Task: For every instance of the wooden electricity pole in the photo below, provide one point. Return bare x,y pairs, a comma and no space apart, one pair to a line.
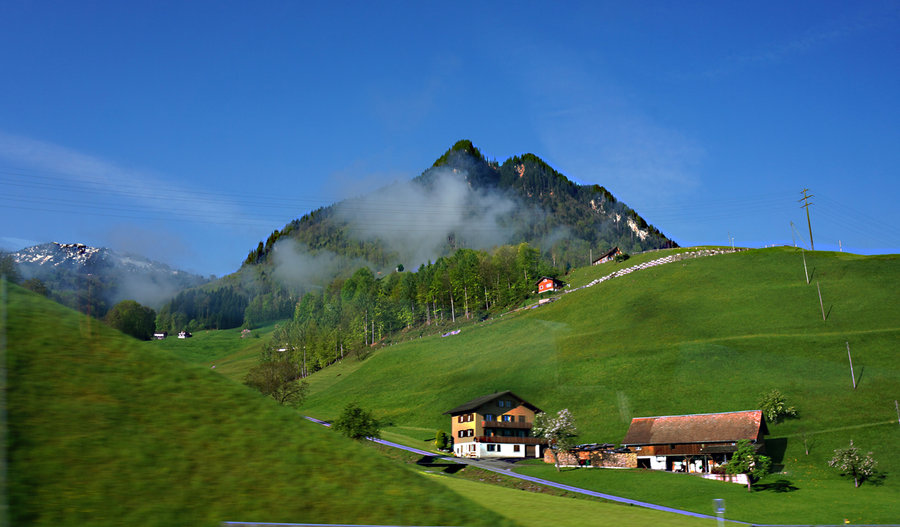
806,204
852,376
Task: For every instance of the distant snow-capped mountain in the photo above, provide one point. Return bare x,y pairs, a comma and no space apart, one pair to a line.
68,268
85,259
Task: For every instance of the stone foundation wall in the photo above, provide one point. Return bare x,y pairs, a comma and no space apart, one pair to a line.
593,459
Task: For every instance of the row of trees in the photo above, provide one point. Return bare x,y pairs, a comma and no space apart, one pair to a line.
350,315
200,308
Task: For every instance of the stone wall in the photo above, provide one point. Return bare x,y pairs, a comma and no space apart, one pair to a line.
593,459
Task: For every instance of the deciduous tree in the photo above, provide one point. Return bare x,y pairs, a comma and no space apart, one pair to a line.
133,319
774,406
280,380
357,423
747,461
852,462
559,430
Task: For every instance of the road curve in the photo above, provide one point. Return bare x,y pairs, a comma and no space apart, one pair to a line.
510,473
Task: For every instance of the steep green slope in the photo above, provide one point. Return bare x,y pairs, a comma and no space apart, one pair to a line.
702,335
105,431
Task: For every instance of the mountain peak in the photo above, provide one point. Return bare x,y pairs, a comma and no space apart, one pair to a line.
463,146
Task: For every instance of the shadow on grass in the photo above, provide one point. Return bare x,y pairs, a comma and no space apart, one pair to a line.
876,479
779,486
446,467
775,449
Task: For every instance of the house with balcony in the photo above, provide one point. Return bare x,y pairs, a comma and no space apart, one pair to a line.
495,426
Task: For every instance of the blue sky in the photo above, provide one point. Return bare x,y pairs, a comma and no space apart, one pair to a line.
188,131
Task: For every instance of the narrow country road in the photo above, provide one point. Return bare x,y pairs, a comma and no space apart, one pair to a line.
497,467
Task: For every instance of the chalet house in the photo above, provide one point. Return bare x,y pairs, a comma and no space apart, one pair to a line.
546,284
608,256
160,335
184,334
692,443
495,425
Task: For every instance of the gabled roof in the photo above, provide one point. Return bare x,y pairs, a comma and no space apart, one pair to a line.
555,280
475,403
607,254
696,428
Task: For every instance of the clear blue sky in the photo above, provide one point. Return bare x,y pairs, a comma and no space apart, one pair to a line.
188,131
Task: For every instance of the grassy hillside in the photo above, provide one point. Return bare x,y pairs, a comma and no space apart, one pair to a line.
103,430
223,350
703,335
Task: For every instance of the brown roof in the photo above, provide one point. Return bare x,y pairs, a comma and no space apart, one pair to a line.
607,254
475,403
696,428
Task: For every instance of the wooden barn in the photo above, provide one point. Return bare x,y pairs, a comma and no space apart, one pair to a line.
692,443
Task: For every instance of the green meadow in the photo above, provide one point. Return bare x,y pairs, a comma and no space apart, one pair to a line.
701,335
105,430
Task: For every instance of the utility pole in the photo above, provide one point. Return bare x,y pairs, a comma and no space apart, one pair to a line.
806,204
805,270
821,305
852,376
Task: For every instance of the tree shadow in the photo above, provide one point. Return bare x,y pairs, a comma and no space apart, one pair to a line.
859,378
877,478
828,313
447,467
779,486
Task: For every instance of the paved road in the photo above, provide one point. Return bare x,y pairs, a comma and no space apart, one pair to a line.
502,467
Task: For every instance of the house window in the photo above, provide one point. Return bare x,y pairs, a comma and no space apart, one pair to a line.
521,418
471,417
490,417
490,448
515,448
509,418
504,404
470,432
461,433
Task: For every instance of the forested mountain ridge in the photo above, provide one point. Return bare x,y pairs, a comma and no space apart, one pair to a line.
543,208
464,200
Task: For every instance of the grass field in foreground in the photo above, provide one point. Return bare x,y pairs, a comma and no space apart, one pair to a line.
539,510
704,335
104,430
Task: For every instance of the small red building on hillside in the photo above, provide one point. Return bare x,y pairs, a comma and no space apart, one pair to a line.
546,284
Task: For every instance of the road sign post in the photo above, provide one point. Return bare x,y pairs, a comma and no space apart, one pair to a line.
719,505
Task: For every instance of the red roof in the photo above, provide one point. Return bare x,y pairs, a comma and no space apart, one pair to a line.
697,428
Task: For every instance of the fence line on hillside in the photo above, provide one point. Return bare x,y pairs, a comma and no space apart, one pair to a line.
653,263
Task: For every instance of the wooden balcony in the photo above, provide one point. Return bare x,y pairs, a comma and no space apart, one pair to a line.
507,424
511,440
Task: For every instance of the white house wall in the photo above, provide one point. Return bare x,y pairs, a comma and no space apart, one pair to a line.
504,450
656,462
